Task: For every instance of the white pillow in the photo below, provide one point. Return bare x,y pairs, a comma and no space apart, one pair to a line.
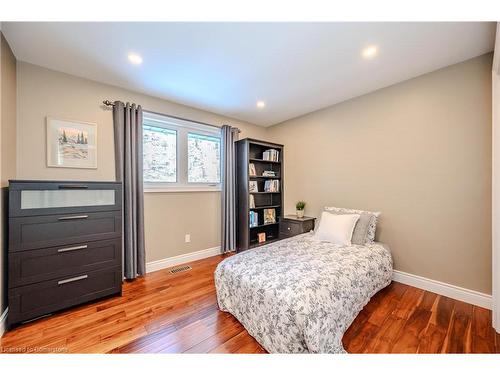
336,229
372,228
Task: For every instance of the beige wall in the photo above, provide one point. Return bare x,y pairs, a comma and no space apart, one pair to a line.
168,216
8,146
419,152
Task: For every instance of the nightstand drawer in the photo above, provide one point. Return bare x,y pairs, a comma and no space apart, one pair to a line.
293,226
289,228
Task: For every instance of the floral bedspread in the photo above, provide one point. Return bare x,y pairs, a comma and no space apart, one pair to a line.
300,295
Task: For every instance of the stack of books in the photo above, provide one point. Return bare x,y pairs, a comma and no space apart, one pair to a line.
254,219
269,174
271,155
272,186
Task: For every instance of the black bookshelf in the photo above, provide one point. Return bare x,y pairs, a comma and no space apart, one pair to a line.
251,151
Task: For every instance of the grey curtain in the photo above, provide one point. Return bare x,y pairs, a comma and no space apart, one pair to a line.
127,120
229,136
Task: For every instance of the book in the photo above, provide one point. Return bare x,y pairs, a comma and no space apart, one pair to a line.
269,216
251,169
251,201
254,219
269,174
272,186
271,155
252,187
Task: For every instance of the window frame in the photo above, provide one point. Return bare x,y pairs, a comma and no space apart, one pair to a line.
187,153
145,182
183,128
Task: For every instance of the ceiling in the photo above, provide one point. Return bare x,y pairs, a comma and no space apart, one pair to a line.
295,68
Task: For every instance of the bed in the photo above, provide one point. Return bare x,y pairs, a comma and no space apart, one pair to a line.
300,295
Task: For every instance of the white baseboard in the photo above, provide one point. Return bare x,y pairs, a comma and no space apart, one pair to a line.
179,259
3,321
439,287
447,290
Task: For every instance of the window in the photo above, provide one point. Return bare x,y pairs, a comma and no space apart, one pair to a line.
160,154
180,155
203,158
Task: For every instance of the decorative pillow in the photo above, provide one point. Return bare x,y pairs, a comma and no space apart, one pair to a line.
336,229
360,234
372,227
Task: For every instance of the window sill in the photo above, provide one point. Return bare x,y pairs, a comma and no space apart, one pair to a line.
181,189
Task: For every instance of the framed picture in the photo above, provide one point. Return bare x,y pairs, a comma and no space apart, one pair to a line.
269,216
251,203
261,237
252,187
251,169
71,144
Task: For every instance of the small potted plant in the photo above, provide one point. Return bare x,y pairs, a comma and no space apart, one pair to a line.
300,205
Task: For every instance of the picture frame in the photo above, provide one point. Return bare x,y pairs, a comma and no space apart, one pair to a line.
269,216
71,144
251,203
251,170
253,187
261,237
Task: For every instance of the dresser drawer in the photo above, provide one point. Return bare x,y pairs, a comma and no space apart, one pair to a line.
35,300
34,232
289,228
32,266
35,198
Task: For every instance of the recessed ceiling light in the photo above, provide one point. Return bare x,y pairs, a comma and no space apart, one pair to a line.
261,104
135,58
370,52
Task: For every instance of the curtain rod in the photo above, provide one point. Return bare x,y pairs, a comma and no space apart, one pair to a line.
111,104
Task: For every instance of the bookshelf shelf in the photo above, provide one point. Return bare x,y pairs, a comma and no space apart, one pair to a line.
264,225
251,151
263,207
265,192
264,161
257,244
265,177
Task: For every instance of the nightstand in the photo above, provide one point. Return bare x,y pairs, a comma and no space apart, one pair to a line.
291,225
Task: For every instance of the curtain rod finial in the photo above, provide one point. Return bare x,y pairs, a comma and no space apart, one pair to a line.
108,103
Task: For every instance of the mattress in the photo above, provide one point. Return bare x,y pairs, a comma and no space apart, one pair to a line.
300,295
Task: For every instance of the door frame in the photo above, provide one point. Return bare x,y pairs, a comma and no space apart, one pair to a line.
495,228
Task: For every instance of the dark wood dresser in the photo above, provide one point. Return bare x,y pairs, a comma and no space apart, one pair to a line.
64,246
292,225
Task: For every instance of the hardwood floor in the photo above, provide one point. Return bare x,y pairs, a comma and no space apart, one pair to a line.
164,313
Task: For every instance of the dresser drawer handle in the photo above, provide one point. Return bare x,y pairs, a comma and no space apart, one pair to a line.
289,228
66,249
73,187
73,217
72,279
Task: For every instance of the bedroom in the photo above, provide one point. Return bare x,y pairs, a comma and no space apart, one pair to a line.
249,187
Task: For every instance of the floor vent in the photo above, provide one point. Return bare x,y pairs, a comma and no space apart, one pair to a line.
180,269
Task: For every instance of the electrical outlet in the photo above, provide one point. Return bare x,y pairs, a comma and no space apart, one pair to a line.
187,238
